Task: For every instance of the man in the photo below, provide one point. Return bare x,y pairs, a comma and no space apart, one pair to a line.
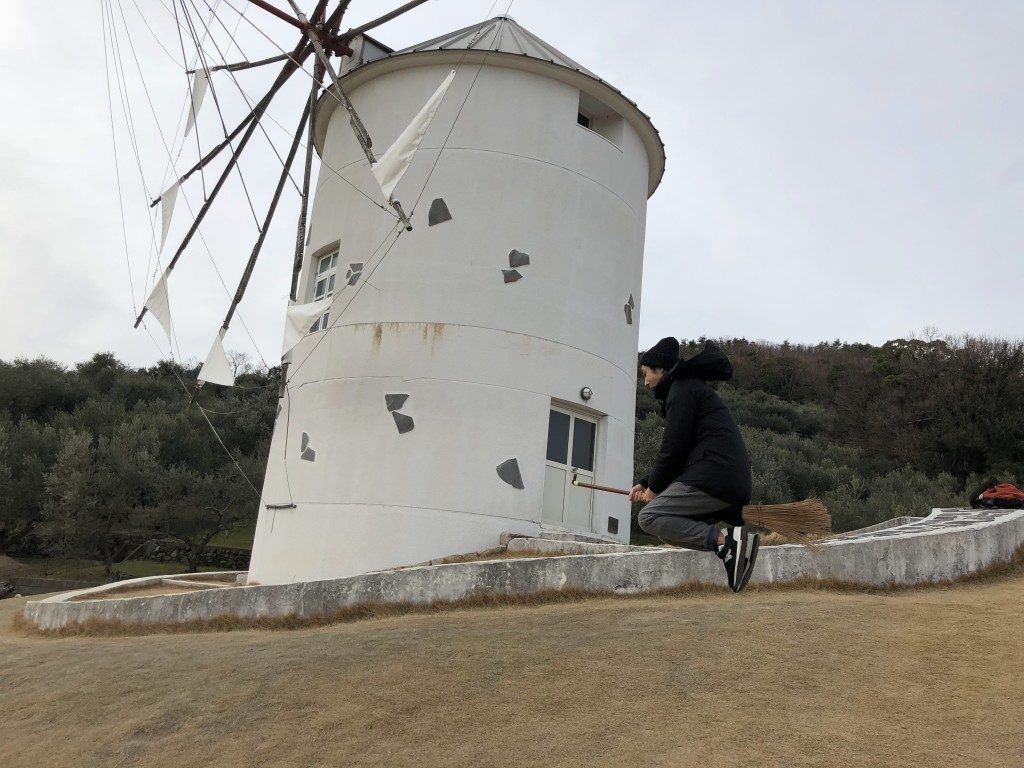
701,475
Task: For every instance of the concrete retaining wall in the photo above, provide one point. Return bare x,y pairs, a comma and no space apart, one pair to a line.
946,545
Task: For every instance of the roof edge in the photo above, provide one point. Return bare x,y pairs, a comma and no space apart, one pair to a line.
594,86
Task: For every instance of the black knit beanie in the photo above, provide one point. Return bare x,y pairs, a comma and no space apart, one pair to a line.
664,354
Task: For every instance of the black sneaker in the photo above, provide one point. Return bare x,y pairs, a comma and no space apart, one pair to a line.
753,544
731,554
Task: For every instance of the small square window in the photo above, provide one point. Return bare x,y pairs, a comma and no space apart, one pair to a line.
583,120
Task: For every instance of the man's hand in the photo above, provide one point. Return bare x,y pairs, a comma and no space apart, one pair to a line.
640,493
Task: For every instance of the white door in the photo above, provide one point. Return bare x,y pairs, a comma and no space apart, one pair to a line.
571,443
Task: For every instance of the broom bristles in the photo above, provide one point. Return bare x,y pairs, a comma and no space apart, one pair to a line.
802,521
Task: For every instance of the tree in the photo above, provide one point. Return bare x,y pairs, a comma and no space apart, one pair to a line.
240,363
27,452
37,389
97,488
193,508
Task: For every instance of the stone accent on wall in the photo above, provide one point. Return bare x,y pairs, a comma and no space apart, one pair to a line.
403,422
439,212
508,471
306,452
395,401
518,259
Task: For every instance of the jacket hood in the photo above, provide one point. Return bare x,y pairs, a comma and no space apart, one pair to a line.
710,364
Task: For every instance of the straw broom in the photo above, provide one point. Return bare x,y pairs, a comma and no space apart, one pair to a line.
801,521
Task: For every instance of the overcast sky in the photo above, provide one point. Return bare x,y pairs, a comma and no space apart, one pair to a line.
849,170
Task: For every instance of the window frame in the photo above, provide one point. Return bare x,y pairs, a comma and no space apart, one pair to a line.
573,416
329,277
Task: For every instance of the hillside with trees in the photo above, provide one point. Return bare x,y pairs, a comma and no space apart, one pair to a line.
96,458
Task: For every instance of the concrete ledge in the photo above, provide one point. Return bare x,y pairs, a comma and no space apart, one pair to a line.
582,537
946,545
194,583
570,546
894,522
201,581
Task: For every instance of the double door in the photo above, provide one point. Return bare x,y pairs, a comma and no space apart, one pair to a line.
572,440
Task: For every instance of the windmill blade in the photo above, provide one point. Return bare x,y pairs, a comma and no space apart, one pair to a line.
382,19
299,318
166,211
251,264
217,368
242,65
303,50
200,80
300,234
396,161
294,60
159,305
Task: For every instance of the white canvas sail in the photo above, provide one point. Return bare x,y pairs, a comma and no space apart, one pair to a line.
217,368
392,165
159,306
199,83
166,211
298,320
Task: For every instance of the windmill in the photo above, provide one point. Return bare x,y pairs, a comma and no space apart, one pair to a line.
496,348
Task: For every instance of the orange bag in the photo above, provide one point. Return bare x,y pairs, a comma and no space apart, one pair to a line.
1001,496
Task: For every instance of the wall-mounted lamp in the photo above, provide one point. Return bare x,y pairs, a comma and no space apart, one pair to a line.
586,393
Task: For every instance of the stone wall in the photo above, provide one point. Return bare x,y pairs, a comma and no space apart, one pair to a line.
227,558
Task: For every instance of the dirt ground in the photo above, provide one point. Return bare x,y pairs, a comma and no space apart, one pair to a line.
766,678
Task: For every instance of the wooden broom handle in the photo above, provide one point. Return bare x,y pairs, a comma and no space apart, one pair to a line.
607,488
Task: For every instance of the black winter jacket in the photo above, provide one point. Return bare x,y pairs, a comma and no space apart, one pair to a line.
702,446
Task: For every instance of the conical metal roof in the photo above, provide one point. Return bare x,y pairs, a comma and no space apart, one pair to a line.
501,34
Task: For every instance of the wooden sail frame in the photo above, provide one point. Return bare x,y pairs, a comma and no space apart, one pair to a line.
320,37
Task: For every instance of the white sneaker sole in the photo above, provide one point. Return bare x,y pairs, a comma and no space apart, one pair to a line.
740,558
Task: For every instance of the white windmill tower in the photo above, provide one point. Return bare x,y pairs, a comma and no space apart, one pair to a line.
464,366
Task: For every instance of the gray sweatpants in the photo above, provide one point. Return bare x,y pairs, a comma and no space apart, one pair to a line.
683,515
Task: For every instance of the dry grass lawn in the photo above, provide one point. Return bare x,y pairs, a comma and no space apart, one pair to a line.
793,677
